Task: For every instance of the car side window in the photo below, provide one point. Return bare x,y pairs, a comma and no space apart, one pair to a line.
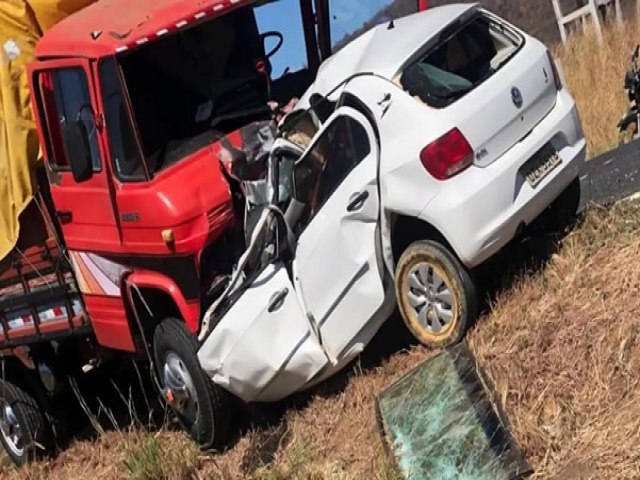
73,104
339,149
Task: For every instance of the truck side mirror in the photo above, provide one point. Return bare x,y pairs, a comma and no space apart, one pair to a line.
78,151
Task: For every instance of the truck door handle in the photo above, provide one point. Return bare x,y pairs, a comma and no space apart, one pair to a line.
277,300
64,216
357,202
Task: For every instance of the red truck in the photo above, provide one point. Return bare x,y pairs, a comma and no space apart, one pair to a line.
136,223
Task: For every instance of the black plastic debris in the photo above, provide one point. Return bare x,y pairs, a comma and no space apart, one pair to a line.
438,422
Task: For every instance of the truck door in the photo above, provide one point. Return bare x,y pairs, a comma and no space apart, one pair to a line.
64,96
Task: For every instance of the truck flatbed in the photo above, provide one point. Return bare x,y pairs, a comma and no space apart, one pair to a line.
39,299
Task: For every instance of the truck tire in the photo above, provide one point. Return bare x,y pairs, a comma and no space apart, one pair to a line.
24,430
436,296
204,409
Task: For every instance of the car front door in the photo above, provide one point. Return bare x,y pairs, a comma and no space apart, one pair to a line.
264,347
337,271
286,326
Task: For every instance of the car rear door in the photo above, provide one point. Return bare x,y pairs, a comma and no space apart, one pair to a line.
511,103
337,269
493,83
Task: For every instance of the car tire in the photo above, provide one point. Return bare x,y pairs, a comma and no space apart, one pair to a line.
25,432
203,408
436,295
567,205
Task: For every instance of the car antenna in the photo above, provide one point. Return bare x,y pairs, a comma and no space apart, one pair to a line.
391,25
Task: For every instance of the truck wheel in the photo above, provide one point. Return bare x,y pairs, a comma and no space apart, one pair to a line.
204,409
436,296
24,431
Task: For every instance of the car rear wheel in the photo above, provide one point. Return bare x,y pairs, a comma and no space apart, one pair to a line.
204,409
24,431
436,296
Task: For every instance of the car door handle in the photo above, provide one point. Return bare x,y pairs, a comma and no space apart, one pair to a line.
357,202
64,216
277,300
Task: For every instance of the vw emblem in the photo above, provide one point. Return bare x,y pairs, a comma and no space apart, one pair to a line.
516,97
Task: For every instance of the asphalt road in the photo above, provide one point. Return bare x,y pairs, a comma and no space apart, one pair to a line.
612,176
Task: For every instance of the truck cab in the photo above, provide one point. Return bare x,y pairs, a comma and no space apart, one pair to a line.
129,110
137,105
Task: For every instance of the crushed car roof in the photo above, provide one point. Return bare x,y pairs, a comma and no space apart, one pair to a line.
385,49
113,26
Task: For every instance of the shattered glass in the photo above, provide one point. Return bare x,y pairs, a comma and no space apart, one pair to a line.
439,422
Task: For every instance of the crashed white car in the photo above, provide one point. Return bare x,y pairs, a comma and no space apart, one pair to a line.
421,150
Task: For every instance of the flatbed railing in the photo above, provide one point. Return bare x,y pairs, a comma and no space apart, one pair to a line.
39,297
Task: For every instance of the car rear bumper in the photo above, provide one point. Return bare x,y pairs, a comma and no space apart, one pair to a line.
483,208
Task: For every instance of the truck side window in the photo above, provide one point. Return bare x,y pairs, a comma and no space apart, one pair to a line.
321,171
53,144
72,104
124,149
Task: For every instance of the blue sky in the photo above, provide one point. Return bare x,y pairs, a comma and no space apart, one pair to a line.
284,16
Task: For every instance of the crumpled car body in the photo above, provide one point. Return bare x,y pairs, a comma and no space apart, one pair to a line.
451,121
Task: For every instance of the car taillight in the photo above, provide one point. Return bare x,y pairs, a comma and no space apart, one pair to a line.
554,69
447,156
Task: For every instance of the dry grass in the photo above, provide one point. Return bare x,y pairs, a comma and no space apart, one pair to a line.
561,347
594,76
134,455
335,436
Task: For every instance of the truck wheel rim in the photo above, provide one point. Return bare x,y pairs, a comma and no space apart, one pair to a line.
11,430
430,298
179,381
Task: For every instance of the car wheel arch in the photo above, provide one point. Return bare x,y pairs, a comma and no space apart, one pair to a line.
405,230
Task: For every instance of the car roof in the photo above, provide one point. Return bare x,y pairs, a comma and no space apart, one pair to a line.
386,48
112,26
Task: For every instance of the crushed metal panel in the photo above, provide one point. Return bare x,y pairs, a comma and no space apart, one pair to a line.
263,349
439,422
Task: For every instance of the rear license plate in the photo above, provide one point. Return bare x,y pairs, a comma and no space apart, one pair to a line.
541,165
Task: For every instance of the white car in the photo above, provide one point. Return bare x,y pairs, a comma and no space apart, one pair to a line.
421,150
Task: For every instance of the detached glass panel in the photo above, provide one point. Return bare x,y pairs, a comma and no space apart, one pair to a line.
439,422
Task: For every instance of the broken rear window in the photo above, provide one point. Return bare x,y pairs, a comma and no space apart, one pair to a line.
464,60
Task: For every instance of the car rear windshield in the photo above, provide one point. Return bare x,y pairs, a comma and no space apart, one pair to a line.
461,61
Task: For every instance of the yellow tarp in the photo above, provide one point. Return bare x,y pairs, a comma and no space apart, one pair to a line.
22,23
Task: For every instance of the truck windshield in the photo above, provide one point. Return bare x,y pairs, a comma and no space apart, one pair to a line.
190,89
290,57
